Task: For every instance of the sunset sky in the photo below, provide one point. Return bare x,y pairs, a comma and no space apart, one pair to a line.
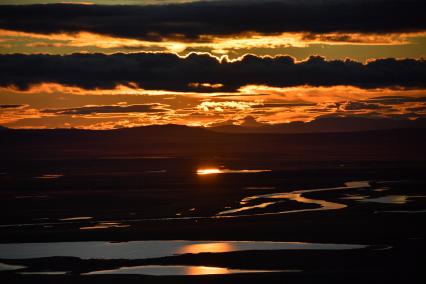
110,64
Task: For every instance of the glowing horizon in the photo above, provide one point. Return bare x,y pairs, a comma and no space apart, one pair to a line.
127,73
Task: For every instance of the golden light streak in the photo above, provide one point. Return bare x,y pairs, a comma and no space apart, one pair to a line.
214,247
52,88
324,94
87,39
219,45
215,171
205,270
202,172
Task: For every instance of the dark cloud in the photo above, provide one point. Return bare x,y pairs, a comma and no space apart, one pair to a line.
351,106
281,105
233,124
141,108
10,106
167,71
393,100
188,21
250,121
417,109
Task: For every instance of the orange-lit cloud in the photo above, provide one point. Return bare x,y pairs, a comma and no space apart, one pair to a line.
214,44
53,105
80,39
54,88
12,114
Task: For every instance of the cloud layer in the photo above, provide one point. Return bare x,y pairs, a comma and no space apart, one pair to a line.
192,21
210,62
140,108
204,73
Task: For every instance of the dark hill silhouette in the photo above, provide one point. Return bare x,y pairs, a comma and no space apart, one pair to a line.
183,141
167,130
328,124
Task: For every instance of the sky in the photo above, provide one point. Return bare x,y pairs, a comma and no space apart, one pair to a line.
112,64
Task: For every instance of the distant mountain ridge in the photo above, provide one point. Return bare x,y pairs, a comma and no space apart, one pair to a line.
321,125
183,141
327,125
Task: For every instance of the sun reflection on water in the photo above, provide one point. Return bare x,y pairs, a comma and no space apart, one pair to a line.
212,171
205,270
208,171
207,247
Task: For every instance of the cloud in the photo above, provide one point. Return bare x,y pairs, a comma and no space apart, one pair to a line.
283,105
11,106
14,112
167,71
192,21
353,106
225,106
250,121
103,109
395,100
420,109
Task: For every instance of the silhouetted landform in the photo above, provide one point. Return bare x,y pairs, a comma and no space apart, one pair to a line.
176,140
65,184
327,124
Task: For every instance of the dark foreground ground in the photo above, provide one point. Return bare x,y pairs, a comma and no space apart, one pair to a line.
139,187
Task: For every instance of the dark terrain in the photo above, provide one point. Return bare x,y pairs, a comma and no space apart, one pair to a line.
141,177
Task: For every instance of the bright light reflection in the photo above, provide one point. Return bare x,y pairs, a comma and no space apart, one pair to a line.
208,171
207,247
205,270
211,171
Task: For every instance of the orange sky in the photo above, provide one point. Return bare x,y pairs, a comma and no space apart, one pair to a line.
50,105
